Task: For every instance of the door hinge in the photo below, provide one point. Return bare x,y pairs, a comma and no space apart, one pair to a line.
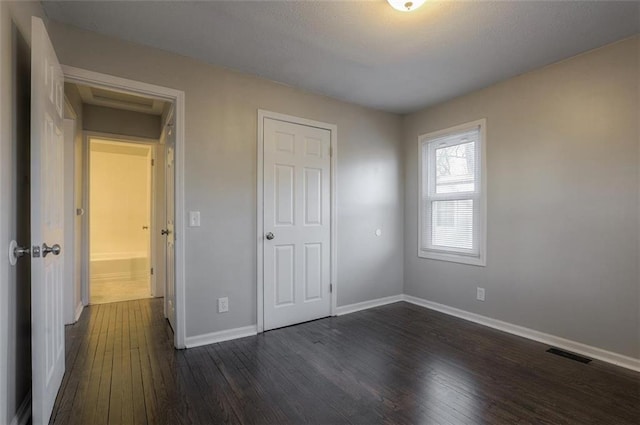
331,288
151,270
153,162
330,151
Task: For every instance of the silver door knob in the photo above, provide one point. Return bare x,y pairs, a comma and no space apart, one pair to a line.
270,236
164,231
55,249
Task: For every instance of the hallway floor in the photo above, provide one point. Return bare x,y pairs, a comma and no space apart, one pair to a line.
396,364
110,291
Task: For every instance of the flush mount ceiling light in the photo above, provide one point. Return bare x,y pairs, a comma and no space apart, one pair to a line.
406,5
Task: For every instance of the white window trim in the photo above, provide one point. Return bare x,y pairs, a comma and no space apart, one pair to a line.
481,258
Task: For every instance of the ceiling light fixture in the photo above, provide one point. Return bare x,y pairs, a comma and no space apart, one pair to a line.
406,5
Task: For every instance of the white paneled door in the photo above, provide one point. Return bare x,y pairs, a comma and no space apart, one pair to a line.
47,218
296,223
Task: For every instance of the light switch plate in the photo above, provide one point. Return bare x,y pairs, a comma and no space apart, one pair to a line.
194,218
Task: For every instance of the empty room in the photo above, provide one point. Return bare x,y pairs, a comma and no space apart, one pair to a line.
322,212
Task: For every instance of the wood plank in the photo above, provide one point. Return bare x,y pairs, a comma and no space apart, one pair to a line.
126,389
116,396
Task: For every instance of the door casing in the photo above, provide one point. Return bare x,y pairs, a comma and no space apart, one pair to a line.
333,129
86,196
177,97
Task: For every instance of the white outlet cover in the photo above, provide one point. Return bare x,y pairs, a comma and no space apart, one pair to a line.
480,294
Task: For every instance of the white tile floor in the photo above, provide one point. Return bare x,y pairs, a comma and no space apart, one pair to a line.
111,291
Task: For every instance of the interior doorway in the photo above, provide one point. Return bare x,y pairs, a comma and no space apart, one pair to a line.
159,120
120,217
122,199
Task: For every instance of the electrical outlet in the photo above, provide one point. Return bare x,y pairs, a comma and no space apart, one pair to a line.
480,294
223,305
194,218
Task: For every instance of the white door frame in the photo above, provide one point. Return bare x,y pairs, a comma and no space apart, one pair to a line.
333,129
86,206
109,82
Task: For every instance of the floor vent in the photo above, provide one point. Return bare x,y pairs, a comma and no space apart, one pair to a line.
568,355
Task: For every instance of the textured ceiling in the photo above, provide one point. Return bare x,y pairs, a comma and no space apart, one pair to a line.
365,52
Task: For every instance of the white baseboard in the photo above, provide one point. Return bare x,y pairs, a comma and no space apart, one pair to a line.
548,339
23,415
79,309
132,275
352,308
229,334
226,335
556,341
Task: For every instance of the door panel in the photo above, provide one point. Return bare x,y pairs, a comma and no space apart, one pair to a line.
285,197
312,271
297,213
284,278
47,226
312,196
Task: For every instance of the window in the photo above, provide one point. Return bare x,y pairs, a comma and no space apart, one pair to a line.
452,195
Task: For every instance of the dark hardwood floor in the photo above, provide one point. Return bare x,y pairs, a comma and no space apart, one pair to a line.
397,364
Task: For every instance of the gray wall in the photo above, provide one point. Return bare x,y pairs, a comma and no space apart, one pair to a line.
15,295
221,111
118,121
563,185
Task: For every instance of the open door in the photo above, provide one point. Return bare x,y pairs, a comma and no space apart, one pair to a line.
47,222
169,230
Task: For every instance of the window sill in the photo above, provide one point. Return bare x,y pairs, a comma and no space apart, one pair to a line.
453,258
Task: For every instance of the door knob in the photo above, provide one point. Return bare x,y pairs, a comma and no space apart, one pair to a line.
145,227
55,249
164,232
270,236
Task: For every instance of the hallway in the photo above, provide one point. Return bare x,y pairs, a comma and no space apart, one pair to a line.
118,290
